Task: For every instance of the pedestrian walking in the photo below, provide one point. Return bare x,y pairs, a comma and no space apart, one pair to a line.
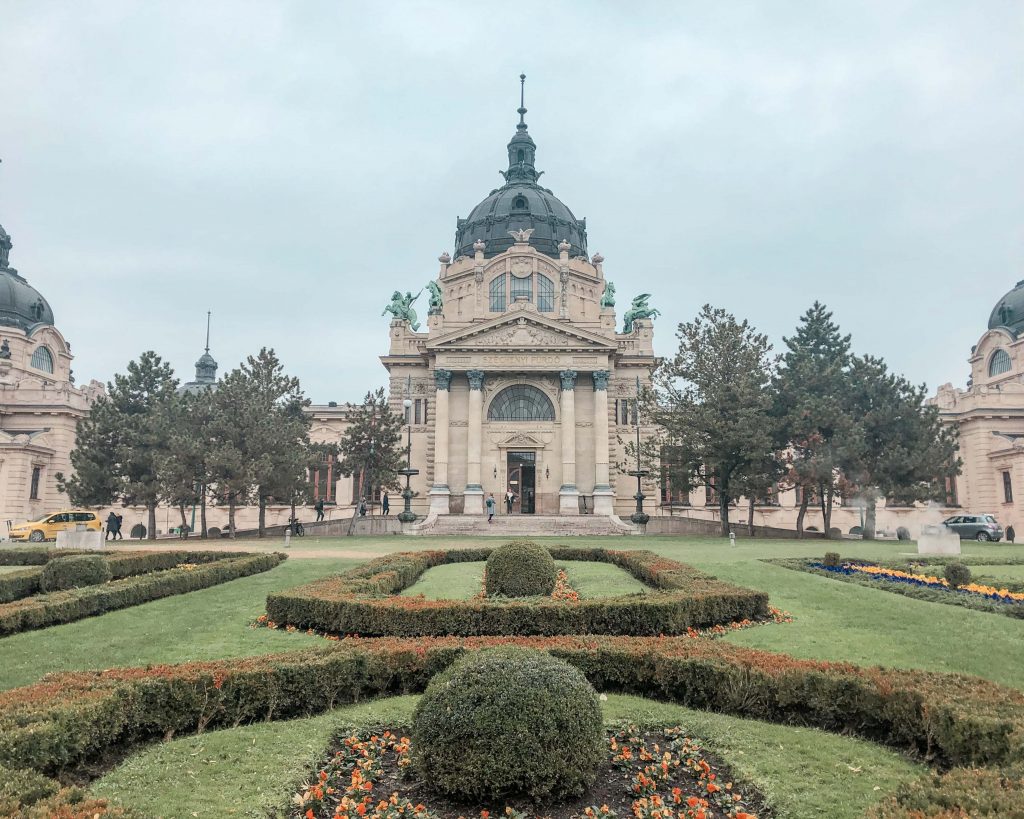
510,498
118,534
490,507
362,507
1010,534
113,525
385,504
319,506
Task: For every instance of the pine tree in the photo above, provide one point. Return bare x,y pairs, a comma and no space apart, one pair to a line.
812,391
903,450
186,464
371,447
123,442
713,402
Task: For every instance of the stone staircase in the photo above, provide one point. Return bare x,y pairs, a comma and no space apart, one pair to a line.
524,525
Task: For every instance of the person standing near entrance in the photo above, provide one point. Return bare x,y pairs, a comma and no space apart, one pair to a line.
510,498
385,504
490,507
319,507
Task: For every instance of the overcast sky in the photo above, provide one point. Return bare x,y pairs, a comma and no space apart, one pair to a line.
288,164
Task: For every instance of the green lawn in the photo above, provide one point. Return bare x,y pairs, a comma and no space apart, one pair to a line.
460,581
201,625
251,770
1015,573
5,569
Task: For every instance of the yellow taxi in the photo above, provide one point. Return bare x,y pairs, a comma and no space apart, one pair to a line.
46,528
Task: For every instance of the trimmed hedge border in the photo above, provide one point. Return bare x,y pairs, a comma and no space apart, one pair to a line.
70,718
44,610
362,601
977,603
17,585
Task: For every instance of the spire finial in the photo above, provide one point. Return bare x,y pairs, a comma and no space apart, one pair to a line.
207,331
522,103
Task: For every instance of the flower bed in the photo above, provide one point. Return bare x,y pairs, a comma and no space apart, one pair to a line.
41,610
909,582
364,601
663,775
69,718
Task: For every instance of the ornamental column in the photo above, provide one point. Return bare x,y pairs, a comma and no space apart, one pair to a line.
568,494
440,493
604,497
474,492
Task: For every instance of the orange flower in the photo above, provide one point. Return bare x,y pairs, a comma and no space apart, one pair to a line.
361,809
309,814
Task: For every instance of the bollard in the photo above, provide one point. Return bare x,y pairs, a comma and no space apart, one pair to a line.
732,538
287,537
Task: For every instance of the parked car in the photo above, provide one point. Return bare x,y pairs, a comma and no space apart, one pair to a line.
46,528
975,527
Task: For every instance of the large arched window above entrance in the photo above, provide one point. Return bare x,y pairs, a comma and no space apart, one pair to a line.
521,402
545,294
999,363
498,294
42,359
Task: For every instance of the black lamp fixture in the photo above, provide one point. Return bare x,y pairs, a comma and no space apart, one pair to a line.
407,515
639,517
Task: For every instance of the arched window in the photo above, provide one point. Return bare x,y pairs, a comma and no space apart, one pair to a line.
545,294
521,156
42,359
521,288
997,365
498,294
521,402
520,203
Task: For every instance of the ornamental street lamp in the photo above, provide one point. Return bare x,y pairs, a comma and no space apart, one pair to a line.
407,515
639,517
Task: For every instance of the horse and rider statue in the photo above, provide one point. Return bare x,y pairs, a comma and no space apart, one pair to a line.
401,308
639,309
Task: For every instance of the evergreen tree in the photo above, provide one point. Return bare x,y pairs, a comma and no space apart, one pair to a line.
713,402
371,448
903,450
124,441
186,465
812,391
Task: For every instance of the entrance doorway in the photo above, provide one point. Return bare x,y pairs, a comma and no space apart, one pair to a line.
522,479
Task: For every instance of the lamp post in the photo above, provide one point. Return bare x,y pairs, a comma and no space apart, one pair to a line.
639,517
407,515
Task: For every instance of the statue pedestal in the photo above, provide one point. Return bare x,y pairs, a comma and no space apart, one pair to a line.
473,503
604,500
568,500
938,540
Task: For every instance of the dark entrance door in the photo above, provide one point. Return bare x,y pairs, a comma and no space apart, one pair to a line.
522,479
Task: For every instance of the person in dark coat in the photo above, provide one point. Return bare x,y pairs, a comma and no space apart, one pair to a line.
1010,534
118,534
113,526
385,504
319,506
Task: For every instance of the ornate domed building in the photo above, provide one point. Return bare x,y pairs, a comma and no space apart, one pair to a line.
521,381
39,403
989,414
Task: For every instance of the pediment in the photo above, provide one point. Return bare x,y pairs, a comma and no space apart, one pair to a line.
521,440
522,331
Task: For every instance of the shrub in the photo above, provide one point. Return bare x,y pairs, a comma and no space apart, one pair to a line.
961,792
902,533
74,572
957,575
505,722
832,559
521,569
74,604
359,601
74,717
18,584
21,788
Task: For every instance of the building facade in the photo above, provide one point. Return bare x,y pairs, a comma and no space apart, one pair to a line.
520,379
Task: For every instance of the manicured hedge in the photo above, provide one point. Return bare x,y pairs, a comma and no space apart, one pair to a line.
36,555
69,718
16,585
44,610
961,792
361,601
74,572
520,569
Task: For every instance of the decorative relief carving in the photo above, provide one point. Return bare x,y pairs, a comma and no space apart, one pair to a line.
600,379
521,267
568,379
442,379
476,379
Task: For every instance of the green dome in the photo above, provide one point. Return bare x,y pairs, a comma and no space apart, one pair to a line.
21,305
1009,311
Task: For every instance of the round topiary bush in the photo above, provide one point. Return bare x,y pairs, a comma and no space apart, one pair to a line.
832,559
957,575
74,572
521,569
902,533
508,721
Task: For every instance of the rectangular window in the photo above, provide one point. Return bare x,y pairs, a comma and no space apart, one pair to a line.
1007,488
675,479
710,495
37,473
522,289
951,496
419,411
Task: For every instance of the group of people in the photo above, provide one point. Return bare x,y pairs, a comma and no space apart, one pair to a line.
114,522
385,505
491,504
